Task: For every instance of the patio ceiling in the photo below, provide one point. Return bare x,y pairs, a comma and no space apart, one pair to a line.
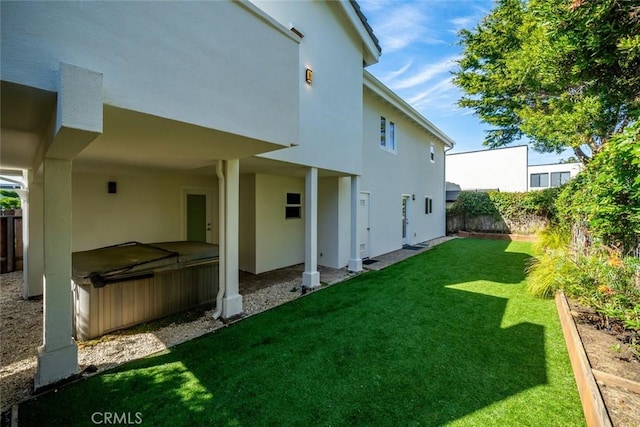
139,143
131,142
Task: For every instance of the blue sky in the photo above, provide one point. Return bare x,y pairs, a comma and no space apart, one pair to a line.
419,50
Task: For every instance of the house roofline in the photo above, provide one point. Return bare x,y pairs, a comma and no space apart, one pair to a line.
489,149
371,46
379,89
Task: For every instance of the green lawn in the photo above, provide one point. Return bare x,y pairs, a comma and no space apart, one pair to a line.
446,337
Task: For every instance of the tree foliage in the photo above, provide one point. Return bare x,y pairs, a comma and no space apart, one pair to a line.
9,200
564,73
605,196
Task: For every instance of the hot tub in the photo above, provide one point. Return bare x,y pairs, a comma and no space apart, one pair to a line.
123,285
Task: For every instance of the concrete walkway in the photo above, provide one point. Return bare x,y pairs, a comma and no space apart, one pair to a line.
250,283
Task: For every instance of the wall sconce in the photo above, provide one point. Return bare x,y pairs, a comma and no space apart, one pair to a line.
308,75
413,197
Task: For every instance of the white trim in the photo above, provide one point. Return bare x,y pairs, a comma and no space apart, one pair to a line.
259,13
371,54
379,89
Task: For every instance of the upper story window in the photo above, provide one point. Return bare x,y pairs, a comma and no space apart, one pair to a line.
559,178
432,153
538,180
387,135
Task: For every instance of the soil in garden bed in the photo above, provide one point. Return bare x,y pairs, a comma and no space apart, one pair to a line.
608,350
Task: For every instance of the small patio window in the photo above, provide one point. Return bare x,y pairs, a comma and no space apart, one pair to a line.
293,208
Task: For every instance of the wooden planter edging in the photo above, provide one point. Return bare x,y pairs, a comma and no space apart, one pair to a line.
595,412
499,236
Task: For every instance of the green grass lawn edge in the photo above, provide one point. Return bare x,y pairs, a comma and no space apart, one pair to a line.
446,337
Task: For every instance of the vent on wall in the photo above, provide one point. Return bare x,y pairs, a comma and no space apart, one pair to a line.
295,30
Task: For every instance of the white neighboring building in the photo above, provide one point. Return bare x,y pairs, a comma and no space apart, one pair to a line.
504,169
274,132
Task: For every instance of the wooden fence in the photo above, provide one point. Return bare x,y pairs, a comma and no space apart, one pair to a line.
11,245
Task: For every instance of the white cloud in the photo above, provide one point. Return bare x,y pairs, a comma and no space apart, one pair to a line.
386,78
463,21
399,26
427,73
437,90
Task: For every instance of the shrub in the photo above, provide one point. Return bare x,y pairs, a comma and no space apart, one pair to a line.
9,200
520,212
605,196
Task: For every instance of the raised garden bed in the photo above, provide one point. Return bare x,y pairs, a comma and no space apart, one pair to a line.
606,371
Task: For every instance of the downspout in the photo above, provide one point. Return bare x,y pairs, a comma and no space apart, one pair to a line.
222,244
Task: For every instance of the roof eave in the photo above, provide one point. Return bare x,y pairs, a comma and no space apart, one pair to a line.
371,48
377,87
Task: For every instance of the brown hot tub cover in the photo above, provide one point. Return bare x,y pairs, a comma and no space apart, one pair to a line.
133,259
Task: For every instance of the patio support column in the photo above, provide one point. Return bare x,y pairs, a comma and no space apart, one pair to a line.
58,356
232,303
311,276
78,121
32,235
355,262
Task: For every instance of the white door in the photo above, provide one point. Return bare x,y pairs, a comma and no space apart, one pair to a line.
363,221
197,215
406,233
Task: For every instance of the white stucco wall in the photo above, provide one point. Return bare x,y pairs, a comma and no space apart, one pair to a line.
220,65
145,208
334,221
387,176
268,240
503,169
247,223
330,107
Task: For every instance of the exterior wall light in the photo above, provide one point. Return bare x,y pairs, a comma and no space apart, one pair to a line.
308,75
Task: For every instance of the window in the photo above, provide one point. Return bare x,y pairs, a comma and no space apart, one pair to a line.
387,135
539,180
428,205
293,208
391,144
559,178
432,153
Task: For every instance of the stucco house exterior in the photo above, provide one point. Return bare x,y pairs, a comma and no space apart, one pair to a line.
128,120
504,169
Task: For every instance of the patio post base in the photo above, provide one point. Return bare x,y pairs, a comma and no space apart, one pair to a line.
355,265
56,365
310,279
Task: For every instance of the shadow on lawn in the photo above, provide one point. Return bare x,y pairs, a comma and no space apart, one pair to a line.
399,346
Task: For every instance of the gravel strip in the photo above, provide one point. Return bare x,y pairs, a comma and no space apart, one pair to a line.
21,334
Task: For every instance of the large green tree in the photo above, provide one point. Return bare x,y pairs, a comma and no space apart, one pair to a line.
564,73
